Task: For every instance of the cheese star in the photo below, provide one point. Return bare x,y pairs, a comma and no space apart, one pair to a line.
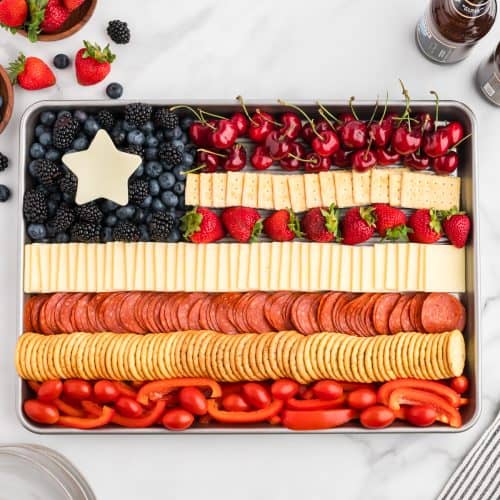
102,171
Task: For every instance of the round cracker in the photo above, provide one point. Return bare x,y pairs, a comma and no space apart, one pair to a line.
284,359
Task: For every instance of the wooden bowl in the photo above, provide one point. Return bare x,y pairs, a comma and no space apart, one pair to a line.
76,21
7,93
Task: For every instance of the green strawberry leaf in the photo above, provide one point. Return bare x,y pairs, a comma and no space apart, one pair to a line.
257,230
190,223
37,14
294,224
397,233
9,28
448,214
95,52
368,215
331,219
435,222
16,67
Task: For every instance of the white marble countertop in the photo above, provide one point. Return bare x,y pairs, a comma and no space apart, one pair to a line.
323,49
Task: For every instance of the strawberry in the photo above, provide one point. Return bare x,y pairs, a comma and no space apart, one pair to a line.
31,73
456,225
13,13
56,14
71,5
358,225
390,222
282,225
321,224
242,223
426,226
93,64
201,225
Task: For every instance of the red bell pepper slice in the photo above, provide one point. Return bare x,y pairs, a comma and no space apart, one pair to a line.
68,409
438,388
314,404
88,423
353,386
316,420
244,417
124,389
91,408
153,391
147,420
446,413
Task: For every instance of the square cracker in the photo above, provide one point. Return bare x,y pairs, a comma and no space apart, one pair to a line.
395,175
361,187
206,190
297,192
265,192
234,189
343,188
219,190
327,188
250,183
379,189
313,191
281,195
193,189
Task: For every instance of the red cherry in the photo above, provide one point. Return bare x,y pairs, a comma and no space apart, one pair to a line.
308,133
260,125
261,159
416,161
445,164
225,134
386,157
317,163
241,123
342,158
327,144
405,141
354,134
199,134
436,143
363,160
277,147
455,132
292,125
380,133
210,161
425,122
290,162
236,158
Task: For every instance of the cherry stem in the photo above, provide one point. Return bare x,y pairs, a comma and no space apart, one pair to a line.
259,112
368,149
436,117
203,150
375,109
213,127
327,120
245,110
303,160
305,115
385,108
199,167
198,116
329,113
353,111
207,113
459,142
406,95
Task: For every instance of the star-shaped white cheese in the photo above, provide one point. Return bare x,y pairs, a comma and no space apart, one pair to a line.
102,170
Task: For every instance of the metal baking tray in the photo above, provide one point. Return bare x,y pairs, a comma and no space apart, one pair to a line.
449,110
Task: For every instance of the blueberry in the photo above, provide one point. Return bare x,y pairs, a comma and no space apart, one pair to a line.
126,212
111,220
136,137
51,230
181,205
174,236
184,138
152,141
177,132
169,199
178,188
32,168
118,136
166,166
37,231
187,160
80,143
151,154
107,234
56,196
108,206
114,90
149,217
147,202
68,198
41,129
70,150
62,238
157,205
169,134
64,112
52,208
159,135
186,122
143,229
139,171
91,126
179,173
37,151
178,144
128,127
80,116
45,139
61,61
154,187
4,193
148,127
166,180
139,216
153,168
48,118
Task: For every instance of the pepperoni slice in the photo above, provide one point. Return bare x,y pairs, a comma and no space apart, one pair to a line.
275,311
65,312
301,313
416,311
80,317
194,313
28,307
395,325
255,313
368,315
382,311
239,316
442,312
151,313
325,309
184,308
406,323
38,302
338,325
204,311
94,311
109,309
313,311
127,312
162,319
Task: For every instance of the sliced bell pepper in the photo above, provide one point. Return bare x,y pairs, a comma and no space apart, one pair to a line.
314,404
88,423
153,391
145,420
244,417
438,388
446,413
91,408
67,409
317,419
124,389
463,402
353,386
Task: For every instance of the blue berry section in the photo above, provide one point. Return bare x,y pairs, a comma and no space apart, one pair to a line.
156,190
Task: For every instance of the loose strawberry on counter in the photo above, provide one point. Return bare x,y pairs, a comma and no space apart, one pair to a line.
242,223
31,73
358,225
93,64
321,224
282,225
425,225
201,225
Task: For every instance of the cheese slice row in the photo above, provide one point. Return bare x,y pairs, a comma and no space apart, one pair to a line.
344,188
223,267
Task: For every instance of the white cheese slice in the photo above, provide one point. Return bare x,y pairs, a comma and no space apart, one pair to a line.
274,273
367,274
285,266
345,268
444,269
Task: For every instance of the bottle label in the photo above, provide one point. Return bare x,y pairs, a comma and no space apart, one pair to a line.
470,9
489,82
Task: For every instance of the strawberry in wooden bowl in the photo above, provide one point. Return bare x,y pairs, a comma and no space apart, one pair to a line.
6,99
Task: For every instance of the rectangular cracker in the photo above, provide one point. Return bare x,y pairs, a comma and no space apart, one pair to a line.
327,188
206,190
219,190
395,175
379,188
343,188
361,187
250,185
234,189
265,192
193,189
313,191
281,194
297,192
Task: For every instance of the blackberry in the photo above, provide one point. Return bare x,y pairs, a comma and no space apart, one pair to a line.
166,119
134,149
138,114
138,191
48,172
4,162
106,120
89,212
68,184
170,154
126,231
84,232
65,130
118,31
35,206
63,219
160,226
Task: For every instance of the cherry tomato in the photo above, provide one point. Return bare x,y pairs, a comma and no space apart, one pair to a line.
77,389
361,398
420,415
327,390
256,395
285,389
106,391
177,419
377,417
235,402
128,407
50,390
193,400
460,384
42,413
